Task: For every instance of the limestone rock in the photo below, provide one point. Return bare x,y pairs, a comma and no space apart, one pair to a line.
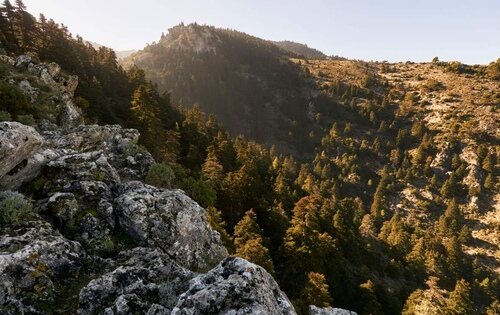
17,143
235,286
171,221
25,172
28,90
314,310
23,61
146,281
70,115
35,262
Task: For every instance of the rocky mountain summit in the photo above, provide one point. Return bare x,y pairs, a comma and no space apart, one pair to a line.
83,234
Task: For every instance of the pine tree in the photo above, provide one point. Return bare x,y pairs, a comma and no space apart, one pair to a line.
316,291
249,243
212,169
459,301
377,207
368,299
452,219
489,182
450,186
215,220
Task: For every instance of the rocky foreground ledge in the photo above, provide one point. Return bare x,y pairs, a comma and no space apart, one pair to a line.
81,233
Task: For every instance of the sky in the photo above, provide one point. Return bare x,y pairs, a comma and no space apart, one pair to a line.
392,30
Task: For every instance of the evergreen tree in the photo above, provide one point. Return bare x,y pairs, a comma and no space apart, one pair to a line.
452,220
368,299
215,219
459,302
316,291
249,243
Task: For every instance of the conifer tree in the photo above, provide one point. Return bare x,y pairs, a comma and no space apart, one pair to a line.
249,243
316,291
459,301
368,299
215,220
452,220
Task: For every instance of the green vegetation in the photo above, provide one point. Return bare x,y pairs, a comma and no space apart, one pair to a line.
364,221
15,208
160,175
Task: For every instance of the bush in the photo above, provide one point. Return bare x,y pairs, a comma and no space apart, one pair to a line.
13,100
15,208
160,175
5,116
432,85
493,70
26,120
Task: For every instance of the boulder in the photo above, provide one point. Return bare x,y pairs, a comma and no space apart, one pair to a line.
171,221
17,144
36,263
146,281
23,61
314,310
26,172
235,286
28,90
70,115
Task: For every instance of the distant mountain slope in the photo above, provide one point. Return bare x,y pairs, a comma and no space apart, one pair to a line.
125,53
248,83
300,49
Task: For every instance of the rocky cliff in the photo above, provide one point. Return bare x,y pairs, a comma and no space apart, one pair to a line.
81,233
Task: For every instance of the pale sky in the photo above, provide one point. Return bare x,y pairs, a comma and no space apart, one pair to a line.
393,30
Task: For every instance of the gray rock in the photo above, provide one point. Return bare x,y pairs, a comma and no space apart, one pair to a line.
70,115
28,171
35,260
28,90
314,310
54,69
9,60
17,144
235,287
145,281
171,221
23,61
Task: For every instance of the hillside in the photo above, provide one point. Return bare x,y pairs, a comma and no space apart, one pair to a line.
248,83
387,204
300,49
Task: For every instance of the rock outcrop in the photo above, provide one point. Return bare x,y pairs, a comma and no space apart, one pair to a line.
314,310
145,281
96,239
169,220
36,263
17,144
235,286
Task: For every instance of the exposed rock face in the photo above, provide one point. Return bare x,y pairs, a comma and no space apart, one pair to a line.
235,286
26,172
35,262
147,281
17,143
314,310
170,220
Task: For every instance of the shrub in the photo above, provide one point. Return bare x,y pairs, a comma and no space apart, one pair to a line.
5,116
26,120
15,208
13,100
160,175
493,70
432,85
